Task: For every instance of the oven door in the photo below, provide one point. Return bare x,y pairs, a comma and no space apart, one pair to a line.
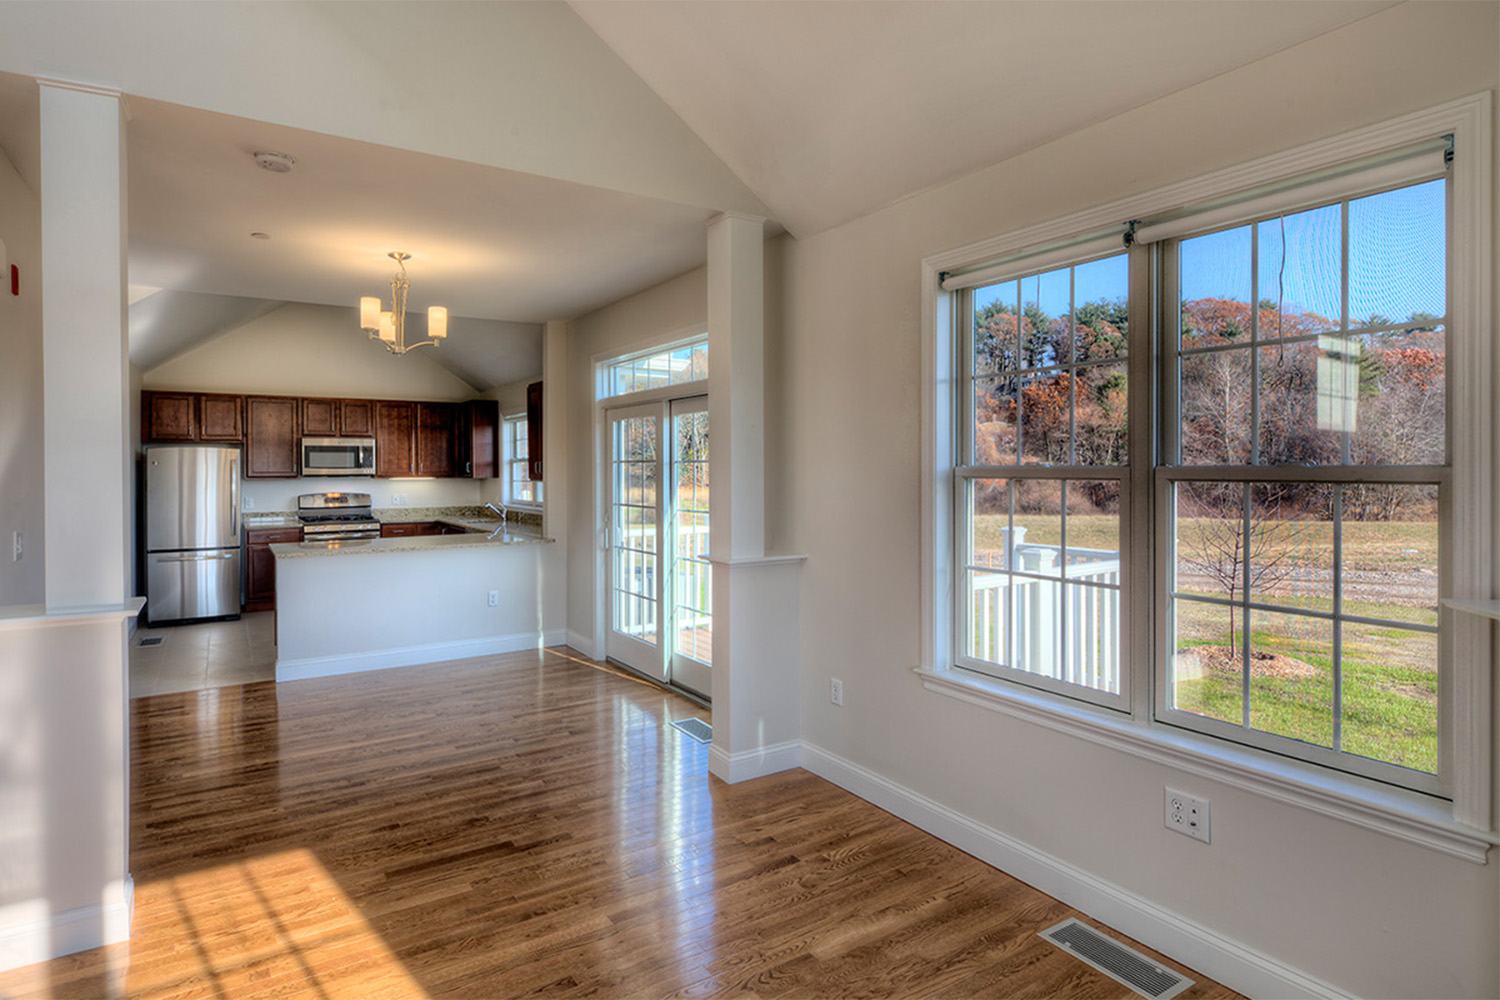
338,456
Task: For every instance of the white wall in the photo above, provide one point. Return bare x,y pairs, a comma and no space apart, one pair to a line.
1365,912
668,311
308,350
21,502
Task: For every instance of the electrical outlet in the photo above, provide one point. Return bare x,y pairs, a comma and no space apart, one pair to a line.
1187,815
249,503
18,547
836,691
494,598
404,502
395,499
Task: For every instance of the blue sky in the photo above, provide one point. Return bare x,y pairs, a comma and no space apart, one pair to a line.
1396,268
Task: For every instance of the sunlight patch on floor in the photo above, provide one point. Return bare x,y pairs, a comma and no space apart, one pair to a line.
278,925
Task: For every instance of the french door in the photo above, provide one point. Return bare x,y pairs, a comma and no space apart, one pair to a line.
659,574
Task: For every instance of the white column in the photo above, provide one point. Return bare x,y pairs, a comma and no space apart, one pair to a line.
85,372
555,480
736,385
756,693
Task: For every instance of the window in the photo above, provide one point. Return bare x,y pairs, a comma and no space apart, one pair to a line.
1046,455
1216,481
656,369
520,490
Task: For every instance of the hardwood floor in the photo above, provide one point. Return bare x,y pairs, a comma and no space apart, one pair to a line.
528,825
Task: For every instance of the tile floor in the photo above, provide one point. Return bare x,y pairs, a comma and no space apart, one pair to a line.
213,654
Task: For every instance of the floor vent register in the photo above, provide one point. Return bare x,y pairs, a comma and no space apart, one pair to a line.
1122,964
696,728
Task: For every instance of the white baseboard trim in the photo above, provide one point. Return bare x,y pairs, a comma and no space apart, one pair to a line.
756,763
407,656
583,643
30,934
1236,965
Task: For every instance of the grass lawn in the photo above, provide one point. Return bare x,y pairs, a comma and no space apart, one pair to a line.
1389,710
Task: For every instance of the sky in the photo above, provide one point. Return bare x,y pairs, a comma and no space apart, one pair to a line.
1396,262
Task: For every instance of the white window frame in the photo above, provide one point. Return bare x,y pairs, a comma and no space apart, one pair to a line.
508,460
1462,827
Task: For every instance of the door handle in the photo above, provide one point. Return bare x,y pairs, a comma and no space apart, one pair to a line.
196,558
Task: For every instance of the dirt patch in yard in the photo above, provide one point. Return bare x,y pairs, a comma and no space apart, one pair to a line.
1221,660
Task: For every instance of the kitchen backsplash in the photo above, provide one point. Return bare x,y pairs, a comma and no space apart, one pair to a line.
281,494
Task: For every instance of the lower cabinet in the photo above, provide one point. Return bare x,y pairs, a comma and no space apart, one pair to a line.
260,565
404,529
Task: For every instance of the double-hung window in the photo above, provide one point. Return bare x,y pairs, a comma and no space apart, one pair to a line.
1215,468
520,489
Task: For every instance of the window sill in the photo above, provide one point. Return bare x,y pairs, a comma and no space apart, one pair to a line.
1409,816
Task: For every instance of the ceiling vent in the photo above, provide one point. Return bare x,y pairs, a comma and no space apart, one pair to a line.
277,163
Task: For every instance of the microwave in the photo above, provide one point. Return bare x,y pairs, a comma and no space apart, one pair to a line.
338,456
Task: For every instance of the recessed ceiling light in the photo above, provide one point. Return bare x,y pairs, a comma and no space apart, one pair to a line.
277,163
260,236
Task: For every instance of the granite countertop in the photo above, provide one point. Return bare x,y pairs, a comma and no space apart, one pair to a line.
518,535
474,518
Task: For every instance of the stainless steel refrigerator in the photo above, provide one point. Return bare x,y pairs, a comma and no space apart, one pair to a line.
192,532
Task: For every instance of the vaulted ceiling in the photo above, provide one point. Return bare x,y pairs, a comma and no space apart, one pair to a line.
542,160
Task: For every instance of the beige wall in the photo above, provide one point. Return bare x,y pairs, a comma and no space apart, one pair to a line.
307,350
21,501
671,310
1368,913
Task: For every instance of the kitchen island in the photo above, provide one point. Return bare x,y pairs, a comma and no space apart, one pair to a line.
370,604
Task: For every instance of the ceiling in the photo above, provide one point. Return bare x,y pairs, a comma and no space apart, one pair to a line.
830,111
822,111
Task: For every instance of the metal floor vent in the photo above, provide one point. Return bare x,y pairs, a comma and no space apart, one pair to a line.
1115,960
150,640
696,728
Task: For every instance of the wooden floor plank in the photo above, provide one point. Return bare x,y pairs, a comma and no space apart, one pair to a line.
528,825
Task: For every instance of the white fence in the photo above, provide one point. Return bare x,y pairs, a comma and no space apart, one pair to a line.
1069,633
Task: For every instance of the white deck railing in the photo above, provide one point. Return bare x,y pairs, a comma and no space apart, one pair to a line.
1068,633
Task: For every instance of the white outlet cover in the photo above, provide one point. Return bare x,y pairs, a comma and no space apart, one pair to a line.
1187,814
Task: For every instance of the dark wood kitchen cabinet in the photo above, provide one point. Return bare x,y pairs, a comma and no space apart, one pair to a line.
221,418
191,416
395,439
534,431
357,418
477,453
260,565
271,437
400,529
320,418
435,426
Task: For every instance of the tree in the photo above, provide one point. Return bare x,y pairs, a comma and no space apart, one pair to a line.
1216,524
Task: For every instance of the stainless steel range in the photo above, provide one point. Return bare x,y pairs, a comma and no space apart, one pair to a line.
336,517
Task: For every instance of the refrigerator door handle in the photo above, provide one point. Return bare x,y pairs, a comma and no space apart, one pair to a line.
234,497
193,556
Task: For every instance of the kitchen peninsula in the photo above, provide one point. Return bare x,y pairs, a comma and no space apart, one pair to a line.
374,603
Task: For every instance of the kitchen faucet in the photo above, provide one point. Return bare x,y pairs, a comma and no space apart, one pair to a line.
504,530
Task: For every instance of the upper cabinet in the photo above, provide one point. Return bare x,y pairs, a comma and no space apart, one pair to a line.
169,416
478,455
338,418
395,439
357,418
534,430
435,439
411,439
271,437
191,416
320,418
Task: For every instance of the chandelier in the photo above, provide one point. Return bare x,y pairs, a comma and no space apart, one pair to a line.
389,326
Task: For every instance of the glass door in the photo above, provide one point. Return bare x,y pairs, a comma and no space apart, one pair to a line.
692,575
660,578
635,527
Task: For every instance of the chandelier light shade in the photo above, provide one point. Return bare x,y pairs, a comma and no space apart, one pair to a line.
389,325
